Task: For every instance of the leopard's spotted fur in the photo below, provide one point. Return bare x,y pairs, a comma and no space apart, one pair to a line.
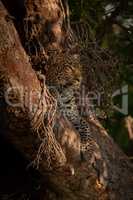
64,74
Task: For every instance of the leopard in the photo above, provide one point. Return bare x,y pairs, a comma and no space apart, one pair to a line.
64,74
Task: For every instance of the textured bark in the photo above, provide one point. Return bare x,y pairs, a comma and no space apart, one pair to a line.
20,80
109,177
43,30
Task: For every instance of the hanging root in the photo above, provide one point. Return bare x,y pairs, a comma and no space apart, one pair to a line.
42,124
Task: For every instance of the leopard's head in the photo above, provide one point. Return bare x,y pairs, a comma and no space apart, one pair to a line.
64,71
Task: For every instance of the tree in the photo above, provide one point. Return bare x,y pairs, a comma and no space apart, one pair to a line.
30,127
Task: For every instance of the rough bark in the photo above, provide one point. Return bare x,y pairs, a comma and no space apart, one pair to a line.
25,101
111,167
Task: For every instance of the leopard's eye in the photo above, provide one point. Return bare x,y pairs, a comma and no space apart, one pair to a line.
77,79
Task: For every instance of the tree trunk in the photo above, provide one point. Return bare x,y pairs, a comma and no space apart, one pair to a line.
29,126
26,102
